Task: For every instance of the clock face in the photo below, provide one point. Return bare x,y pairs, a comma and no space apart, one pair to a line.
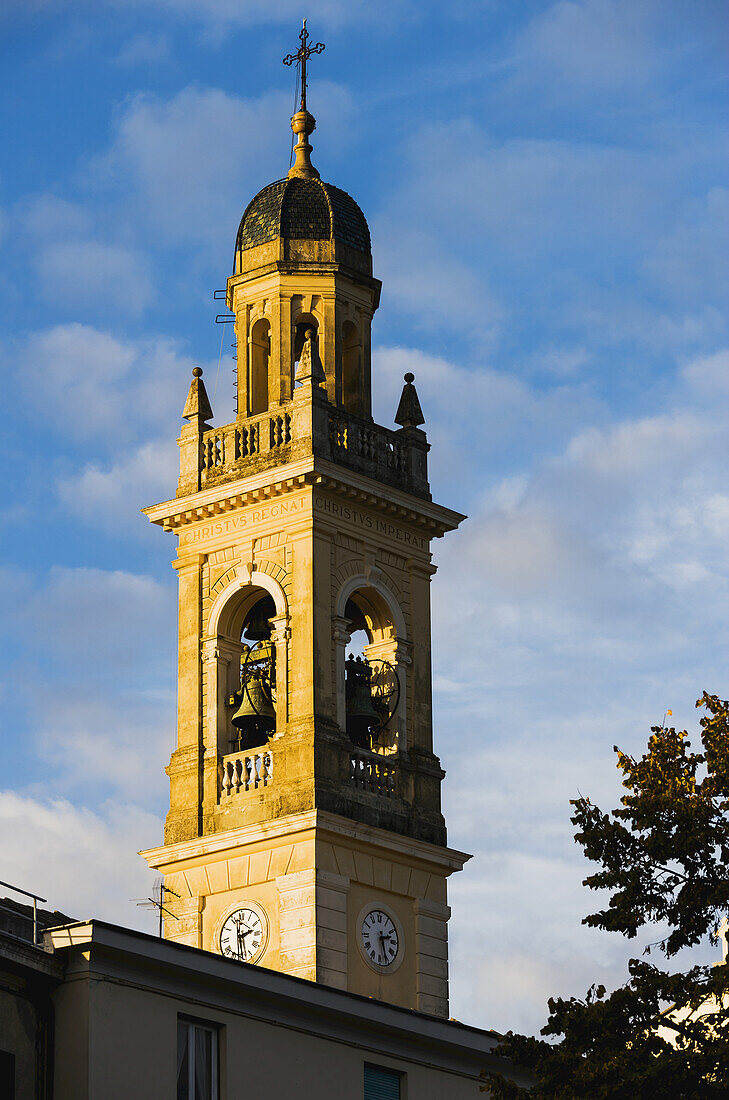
242,935
379,938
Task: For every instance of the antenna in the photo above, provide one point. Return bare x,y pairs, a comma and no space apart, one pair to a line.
157,901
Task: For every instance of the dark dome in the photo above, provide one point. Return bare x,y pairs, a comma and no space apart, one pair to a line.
303,209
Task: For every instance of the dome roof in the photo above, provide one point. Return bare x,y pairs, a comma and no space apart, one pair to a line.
303,209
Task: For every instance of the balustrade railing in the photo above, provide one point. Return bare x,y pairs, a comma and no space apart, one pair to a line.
375,773
246,771
375,449
221,447
273,437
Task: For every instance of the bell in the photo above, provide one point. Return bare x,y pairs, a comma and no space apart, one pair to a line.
361,714
258,627
255,718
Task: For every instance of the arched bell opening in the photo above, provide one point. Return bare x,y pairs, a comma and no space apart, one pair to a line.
246,663
259,359
371,666
253,702
352,379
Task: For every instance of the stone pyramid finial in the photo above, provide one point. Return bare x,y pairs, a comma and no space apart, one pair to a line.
197,406
409,414
310,368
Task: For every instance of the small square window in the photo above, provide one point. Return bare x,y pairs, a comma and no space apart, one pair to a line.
382,1084
197,1060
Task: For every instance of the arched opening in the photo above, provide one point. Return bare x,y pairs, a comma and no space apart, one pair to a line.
373,682
253,702
246,672
260,354
352,397
304,322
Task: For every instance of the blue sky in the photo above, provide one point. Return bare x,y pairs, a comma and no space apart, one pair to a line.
546,185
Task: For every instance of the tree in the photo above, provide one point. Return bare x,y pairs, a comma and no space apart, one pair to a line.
664,856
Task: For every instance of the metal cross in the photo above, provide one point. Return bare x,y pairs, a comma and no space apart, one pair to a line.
302,55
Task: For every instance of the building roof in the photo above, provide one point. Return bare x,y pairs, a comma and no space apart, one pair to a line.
289,995
303,209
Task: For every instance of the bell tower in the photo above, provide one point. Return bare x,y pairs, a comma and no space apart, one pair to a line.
305,830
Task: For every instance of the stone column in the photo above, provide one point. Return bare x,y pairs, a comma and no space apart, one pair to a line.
341,638
185,767
280,635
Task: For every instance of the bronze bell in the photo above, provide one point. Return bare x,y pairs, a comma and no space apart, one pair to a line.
258,627
255,718
361,714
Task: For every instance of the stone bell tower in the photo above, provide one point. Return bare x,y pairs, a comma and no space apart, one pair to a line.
305,830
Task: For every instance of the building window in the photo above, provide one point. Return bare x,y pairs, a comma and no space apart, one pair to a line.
7,1074
197,1061
382,1084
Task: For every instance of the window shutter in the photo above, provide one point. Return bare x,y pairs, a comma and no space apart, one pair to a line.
381,1084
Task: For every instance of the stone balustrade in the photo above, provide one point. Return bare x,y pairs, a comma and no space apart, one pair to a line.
367,447
371,772
246,771
222,449
292,432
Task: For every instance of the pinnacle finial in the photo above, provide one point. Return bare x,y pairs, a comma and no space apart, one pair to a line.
409,413
303,123
197,407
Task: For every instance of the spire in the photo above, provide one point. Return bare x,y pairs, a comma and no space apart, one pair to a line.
303,123
197,406
409,414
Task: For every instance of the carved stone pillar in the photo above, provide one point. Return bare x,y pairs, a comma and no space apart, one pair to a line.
280,636
341,638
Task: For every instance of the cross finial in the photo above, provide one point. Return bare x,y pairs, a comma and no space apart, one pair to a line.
302,55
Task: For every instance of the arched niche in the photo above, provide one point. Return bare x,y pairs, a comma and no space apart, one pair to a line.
302,322
365,603
259,360
223,646
352,380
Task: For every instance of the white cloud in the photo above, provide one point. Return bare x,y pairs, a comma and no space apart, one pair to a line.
225,14
97,385
93,682
428,282
603,45
96,623
110,495
192,163
144,49
49,218
475,413
90,274
83,861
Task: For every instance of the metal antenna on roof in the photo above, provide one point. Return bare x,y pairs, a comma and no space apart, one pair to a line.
157,901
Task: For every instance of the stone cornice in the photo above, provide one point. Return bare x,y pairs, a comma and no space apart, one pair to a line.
312,471
319,822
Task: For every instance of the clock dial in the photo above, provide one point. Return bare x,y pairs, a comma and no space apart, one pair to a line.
242,935
379,938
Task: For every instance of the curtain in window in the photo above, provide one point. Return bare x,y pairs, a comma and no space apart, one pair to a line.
203,1064
183,1060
